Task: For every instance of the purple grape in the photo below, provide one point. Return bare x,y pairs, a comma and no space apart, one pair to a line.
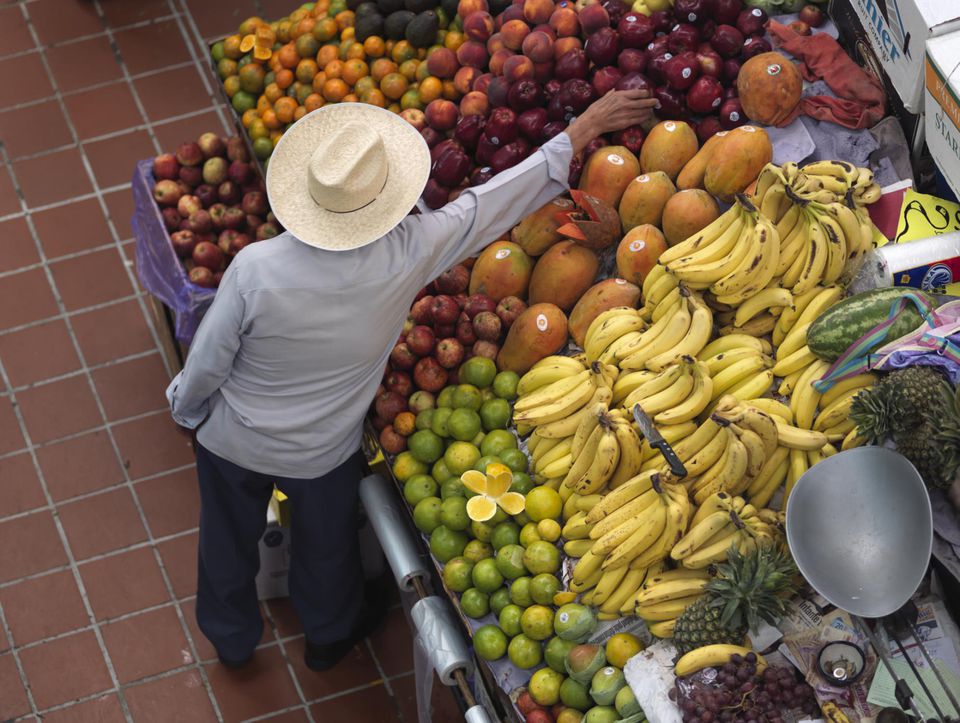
706,717
672,694
688,706
750,657
729,668
746,687
743,674
736,659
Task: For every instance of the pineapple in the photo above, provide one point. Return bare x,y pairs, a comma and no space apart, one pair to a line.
747,589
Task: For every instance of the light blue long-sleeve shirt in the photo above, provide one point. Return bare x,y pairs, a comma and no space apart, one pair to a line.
288,358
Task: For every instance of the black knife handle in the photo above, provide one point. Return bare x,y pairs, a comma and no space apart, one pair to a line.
676,466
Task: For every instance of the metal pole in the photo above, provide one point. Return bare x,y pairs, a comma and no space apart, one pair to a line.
926,654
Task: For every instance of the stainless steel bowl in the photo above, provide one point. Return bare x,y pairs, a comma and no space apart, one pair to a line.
860,528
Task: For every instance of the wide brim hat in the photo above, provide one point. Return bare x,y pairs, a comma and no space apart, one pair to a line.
336,195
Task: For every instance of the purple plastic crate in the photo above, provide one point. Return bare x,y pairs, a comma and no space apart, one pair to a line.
159,269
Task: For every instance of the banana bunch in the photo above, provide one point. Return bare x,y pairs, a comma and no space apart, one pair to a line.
663,597
681,324
605,452
610,331
555,409
738,364
675,395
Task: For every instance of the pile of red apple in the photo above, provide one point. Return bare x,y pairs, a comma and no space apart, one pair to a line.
445,328
213,203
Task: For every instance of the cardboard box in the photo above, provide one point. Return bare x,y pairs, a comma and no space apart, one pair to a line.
274,559
897,31
942,94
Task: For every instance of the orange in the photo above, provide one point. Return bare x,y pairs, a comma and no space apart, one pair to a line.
250,25
297,15
251,78
334,69
320,9
374,47
326,54
394,86
270,120
306,69
354,70
318,80
284,109
430,89
272,92
226,67
411,99
263,104
423,72
381,68
231,47
283,31
284,79
231,85
403,51
325,29
344,19
355,50
374,97
394,108
348,34
288,56
307,46
408,69
248,117
450,91
299,113
363,85
258,129
301,91
313,101
334,90
350,98
389,46
304,27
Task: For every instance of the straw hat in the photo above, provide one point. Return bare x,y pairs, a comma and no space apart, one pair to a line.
344,175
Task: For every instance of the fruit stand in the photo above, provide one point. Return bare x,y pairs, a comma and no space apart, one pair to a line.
699,271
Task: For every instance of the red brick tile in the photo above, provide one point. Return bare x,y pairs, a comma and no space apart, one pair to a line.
73,227
171,502
356,669
16,34
151,47
26,80
123,583
120,210
10,437
132,387
21,488
113,159
33,129
443,705
217,18
284,617
9,195
103,110
57,409
373,703
291,716
205,649
111,332
146,644
393,644
152,444
54,673
102,709
30,545
102,523
184,693
43,607
53,177
80,465
13,698
172,93
38,352
171,134
123,12
262,687
91,279
26,297
179,557
84,63
56,20
17,248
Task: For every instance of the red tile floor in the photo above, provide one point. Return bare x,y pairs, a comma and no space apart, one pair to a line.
98,503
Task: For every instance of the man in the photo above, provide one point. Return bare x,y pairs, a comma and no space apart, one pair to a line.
289,356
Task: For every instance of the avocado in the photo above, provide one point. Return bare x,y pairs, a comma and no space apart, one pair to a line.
389,6
354,4
367,8
367,26
422,30
419,6
450,7
498,6
396,24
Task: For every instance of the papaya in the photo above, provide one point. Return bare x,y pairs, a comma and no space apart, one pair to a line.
769,87
603,295
502,269
668,147
686,213
608,172
691,176
563,274
538,231
537,333
644,199
638,253
738,160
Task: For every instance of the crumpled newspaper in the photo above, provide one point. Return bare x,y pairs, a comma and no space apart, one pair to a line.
649,674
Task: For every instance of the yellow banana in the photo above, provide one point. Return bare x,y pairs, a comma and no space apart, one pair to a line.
805,397
800,439
627,383
730,342
627,588
705,237
547,371
599,338
617,498
696,337
762,301
638,541
551,392
800,359
695,402
604,463
577,528
607,584
568,426
672,590
670,610
631,456
840,389
584,458
577,548
699,534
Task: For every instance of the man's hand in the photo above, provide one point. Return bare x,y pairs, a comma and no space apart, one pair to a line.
615,111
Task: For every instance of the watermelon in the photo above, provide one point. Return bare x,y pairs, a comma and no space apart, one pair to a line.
846,321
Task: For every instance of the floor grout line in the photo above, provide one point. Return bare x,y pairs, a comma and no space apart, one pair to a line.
15,653
78,372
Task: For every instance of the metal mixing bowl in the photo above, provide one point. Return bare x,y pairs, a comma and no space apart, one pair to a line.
860,528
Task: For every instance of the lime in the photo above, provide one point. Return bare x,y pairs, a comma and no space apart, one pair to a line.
555,653
543,503
446,544
460,456
464,424
510,561
467,396
541,556
514,459
262,147
490,642
477,550
485,461
425,418
522,518
475,604
505,533
499,599
544,686
573,694
543,587
440,472
453,513
242,101
509,619
487,394
441,417
505,385
498,440
216,50
549,530
406,466
419,487
529,534
520,592
445,398
537,622
482,531
426,446
426,515
456,574
524,652
486,577
621,647
521,483
478,371
495,414
498,517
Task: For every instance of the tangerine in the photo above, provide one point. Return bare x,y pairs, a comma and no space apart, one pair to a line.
394,108
283,31
408,69
270,120
248,117
430,89
272,92
354,70
306,69
326,54
257,129
288,56
423,72
231,47
334,69
403,51
226,67
335,90
374,47
307,45
381,68
374,96
318,80
345,19
355,50
313,101
242,101
351,98
297,15
411,99
231,85
450,91
325,29
285,108
250,25
275,137
263,104
348,34
284,79
299,113
365,84
301,91
303,29
394,85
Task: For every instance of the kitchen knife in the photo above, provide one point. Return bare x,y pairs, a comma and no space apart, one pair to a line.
657,441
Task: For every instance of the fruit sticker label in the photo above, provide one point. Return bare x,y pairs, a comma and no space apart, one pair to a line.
542,322
734,116
620,281
562,202
637,245
615,159
670,126
774,69
687,72
642,179
502,254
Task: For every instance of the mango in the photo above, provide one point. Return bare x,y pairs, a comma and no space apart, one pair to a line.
638,253
608,172
644,199
584,661
738,160
502,269
603,295
686,213
562,275
538,332
668,148
691,176
538,231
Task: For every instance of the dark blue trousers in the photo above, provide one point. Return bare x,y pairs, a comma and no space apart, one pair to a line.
326,579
